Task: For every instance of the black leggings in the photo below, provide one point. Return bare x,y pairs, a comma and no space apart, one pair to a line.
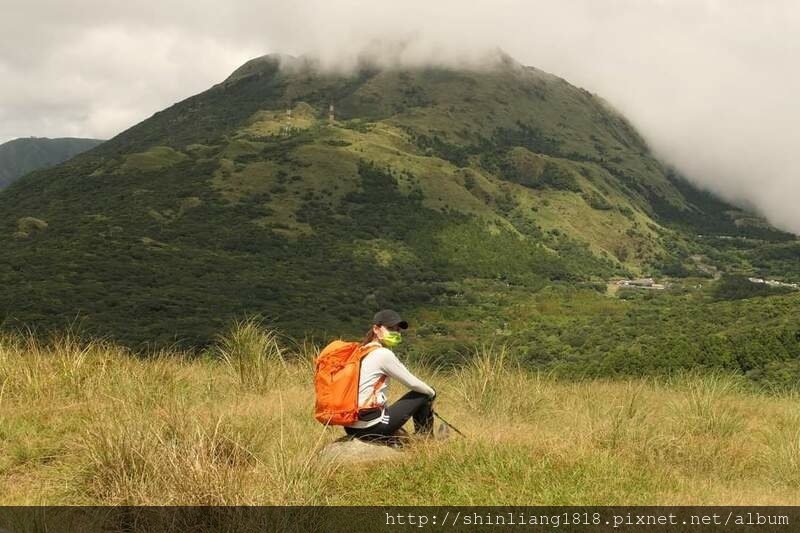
412,404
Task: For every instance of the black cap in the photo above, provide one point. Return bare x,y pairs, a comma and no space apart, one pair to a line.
390,318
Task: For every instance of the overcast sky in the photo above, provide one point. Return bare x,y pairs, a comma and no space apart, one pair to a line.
712,84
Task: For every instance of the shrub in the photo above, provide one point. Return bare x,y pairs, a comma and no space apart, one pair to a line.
250,351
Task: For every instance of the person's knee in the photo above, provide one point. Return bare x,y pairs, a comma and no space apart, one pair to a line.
414,395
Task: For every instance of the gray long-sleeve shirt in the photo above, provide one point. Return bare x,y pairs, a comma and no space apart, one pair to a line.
383,362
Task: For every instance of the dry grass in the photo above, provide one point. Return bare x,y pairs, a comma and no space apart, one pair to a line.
88,423
254,354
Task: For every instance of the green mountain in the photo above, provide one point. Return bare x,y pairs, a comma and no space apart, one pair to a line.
315,198
20,156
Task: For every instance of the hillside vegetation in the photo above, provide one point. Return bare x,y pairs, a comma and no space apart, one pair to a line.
86,423
20,156
496,205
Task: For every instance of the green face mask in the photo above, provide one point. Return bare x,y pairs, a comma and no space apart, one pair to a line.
392,338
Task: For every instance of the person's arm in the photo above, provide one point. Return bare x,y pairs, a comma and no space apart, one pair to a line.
392,367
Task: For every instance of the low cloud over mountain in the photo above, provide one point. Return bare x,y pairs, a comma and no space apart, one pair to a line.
709,83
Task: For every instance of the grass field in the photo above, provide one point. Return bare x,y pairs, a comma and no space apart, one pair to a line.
87,423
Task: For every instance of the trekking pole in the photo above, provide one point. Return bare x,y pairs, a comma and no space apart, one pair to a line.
448,424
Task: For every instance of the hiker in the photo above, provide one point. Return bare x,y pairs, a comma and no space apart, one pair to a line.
382,422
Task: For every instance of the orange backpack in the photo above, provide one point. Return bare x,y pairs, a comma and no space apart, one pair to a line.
337,376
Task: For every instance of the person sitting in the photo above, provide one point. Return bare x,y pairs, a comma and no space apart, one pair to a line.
381,423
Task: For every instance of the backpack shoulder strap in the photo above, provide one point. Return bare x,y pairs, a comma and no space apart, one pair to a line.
365,350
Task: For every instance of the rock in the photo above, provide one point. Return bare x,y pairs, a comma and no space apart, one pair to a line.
357,451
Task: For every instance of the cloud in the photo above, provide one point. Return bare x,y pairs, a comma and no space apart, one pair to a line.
710,83
72,74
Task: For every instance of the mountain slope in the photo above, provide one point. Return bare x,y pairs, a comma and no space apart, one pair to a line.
316,198
20,156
